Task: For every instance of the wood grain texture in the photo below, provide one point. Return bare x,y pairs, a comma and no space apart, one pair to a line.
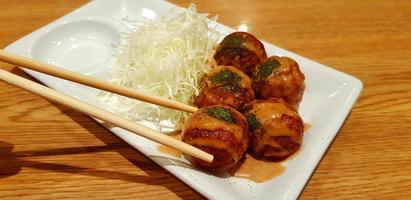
48,151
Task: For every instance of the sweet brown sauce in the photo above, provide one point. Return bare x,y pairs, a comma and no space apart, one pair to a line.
307,127
257,170
175,134
169,151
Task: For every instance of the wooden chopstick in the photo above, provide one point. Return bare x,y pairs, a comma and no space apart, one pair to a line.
90,81
103,115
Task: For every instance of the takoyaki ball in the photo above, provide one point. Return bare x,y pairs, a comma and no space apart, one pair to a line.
219,130
279,77
225,85
241,50
276,129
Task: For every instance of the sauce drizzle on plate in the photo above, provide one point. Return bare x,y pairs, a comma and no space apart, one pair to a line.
306,127
257,170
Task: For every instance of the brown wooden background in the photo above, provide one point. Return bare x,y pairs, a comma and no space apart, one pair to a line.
48,151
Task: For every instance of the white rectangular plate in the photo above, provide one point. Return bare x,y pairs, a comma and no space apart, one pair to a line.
84,41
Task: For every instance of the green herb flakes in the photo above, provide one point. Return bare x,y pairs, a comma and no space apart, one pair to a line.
252,121
221,114
233,42
225,77
266,69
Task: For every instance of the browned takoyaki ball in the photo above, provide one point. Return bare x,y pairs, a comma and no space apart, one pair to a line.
279,77
241,50
219,130
225,85
276,129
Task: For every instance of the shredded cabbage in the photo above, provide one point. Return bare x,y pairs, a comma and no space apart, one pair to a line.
164,57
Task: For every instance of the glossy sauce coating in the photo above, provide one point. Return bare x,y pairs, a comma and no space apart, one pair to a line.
242,50
276,129
225,138
249,168
225,85
279,77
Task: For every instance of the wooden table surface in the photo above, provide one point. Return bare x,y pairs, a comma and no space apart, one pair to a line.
48,151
